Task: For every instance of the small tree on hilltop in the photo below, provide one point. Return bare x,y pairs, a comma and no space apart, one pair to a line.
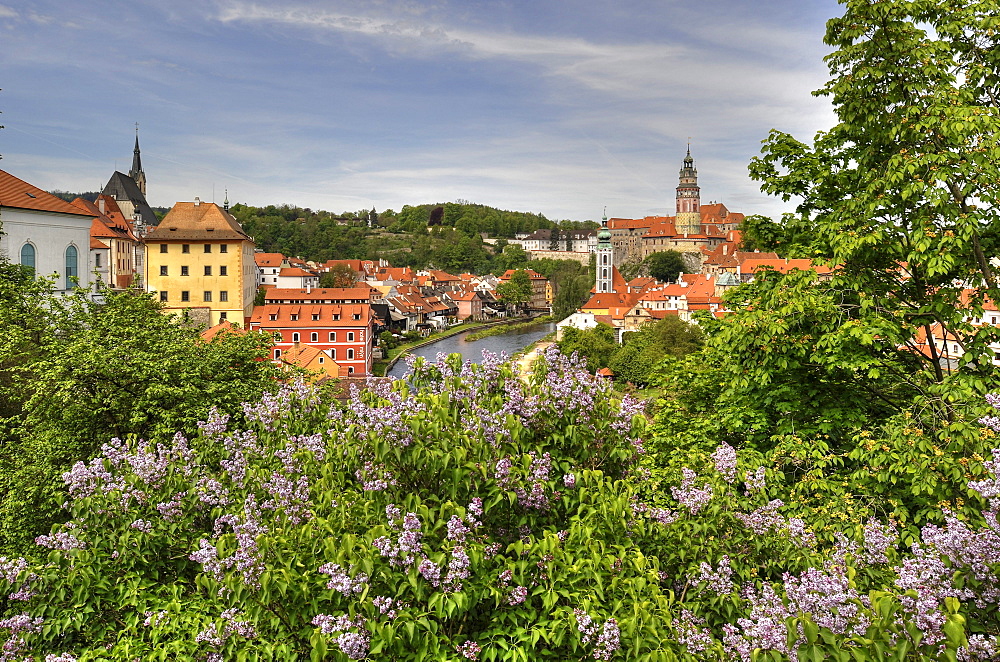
665,266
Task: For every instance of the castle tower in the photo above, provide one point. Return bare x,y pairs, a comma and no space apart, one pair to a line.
136,172
688,220
605,258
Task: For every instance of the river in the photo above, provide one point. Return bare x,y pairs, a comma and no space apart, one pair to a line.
509,343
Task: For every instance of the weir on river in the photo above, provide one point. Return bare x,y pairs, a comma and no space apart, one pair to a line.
509,343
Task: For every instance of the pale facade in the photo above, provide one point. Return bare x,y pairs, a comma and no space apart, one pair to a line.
199,260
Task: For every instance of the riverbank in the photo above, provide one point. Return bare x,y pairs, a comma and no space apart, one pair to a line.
507,328
382,367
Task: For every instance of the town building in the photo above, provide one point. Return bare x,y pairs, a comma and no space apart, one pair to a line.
539,288
200,263
44,233
113,245
344,332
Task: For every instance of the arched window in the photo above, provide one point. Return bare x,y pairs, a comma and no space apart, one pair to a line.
333,353
313,337
350,354
295,337
28,256
72,267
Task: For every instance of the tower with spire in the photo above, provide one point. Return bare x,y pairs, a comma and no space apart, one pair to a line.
688,218
605,258
136,172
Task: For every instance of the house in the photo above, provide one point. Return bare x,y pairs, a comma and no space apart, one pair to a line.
360,294
200,263
113,245
469,304
44,233
345,332
296,277
269,265
539,291
314,361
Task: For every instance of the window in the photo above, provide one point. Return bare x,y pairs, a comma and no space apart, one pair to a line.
223,316
295,337
184,271
357,316
28,256
350,370
207,296
313,337
208,248
185,295
224,248
97,260
163,270
163,248
333,336
993,320
273,317
224,295
350,354
295,317
163,296
333,353
315,317
185,248
72,267
336,317
208,270
321,360
224,271
350,336
277,353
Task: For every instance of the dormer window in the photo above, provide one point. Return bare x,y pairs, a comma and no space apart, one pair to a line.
295,318
357,316
336,317
273,317
315,317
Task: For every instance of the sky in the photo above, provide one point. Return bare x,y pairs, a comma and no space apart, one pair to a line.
560,107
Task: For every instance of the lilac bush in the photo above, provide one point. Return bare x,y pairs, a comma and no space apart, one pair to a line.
476,513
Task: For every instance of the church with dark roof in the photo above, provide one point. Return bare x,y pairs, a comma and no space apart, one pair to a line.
129,192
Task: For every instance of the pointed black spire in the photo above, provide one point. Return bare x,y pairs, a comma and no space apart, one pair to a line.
136,173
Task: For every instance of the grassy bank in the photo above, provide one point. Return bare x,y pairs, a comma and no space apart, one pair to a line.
507,328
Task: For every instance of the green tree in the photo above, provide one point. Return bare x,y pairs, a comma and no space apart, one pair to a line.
80,373
664,266
595,346
340,275
516,293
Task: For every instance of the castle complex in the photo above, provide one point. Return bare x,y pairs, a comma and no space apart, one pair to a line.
695,229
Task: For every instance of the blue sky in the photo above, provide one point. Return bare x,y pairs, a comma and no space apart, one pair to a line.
560,107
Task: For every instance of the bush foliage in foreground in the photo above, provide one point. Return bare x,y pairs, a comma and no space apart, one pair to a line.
471,514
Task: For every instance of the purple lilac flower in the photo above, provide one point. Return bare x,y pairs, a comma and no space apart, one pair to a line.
469,650
718,580
61,540
215,425
430,571
569,480
341,581
981,647
386,606
172,510
458,569
725,462
691,497
756,481
691,634
517,595
142,525
605,638
62,657
289,496
11,570
374,477
879,539
153,618
763,519
457,530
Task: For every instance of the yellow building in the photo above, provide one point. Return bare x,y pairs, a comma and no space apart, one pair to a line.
201,263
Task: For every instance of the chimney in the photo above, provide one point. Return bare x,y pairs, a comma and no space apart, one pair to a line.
100,204
197,201
309,287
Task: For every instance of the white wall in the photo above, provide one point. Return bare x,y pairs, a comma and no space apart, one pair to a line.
50,233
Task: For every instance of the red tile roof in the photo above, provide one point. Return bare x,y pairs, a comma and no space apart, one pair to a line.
19,194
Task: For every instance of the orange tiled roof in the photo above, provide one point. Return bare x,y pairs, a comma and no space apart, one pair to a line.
203,221
268,259
325,312
19,194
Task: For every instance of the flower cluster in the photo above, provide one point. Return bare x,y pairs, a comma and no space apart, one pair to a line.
725,462
604,638
374,477
407,546
718,580
341,581
469,650
354,645
691,497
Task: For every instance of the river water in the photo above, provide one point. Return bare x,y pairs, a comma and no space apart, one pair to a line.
509,343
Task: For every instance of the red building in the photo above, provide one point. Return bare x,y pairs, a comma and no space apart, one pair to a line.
343,331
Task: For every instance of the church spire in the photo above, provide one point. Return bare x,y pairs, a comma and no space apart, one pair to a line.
136,172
